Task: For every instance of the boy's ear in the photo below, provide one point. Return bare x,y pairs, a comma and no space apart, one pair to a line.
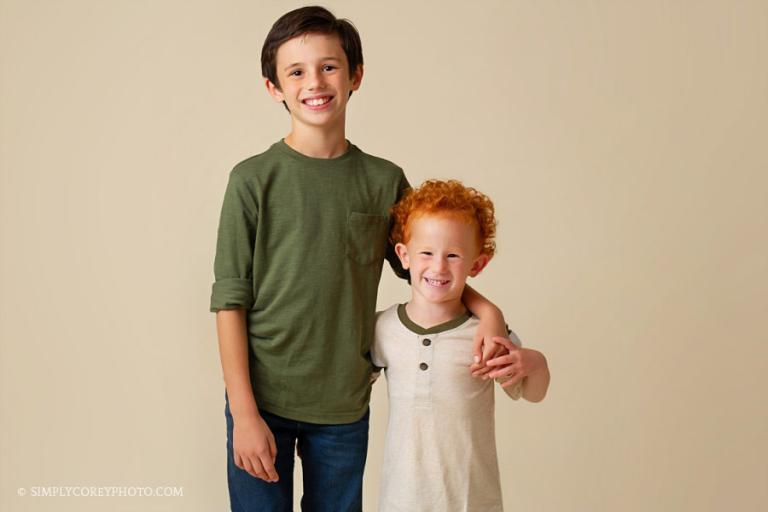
357,77
402,252
274,90
479,264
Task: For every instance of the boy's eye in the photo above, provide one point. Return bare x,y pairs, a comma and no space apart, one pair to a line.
328,67
454,256
426,253
295,72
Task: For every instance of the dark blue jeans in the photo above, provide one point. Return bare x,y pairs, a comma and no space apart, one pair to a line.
333,459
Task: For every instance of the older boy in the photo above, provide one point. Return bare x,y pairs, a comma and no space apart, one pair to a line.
301,242
440,452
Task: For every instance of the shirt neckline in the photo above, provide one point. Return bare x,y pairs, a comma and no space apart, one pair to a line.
332,162
402,314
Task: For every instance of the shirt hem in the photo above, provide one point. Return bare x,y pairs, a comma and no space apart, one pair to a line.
322,419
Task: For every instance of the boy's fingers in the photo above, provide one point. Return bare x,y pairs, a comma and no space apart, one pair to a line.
488,349
272,447
501,360
259,470
252,466
481,371
248,467
269,467
505,342
505,371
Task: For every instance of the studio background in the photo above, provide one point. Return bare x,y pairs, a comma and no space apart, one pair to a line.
624,144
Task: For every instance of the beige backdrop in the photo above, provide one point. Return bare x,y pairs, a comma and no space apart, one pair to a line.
623,142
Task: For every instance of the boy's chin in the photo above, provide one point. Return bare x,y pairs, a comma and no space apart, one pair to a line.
440,297
312,119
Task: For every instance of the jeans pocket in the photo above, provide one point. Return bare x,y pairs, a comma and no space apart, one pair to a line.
366,237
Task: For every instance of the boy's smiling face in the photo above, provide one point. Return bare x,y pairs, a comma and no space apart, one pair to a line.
443,250
314,80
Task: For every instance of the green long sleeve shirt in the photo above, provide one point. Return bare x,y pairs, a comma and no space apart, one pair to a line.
301,243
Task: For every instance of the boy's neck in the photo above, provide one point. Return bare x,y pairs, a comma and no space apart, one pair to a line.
429,314
316,142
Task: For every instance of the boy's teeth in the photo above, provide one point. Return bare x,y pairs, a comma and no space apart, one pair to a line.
317,101
435,282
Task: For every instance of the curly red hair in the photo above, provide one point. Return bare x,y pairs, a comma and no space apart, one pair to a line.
450,197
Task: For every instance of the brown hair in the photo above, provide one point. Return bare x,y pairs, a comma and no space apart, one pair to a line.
449,197
305,20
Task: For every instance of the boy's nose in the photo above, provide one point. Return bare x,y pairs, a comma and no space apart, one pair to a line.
440,264
316,81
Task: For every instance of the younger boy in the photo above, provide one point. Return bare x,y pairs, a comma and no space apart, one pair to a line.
440,453
301,242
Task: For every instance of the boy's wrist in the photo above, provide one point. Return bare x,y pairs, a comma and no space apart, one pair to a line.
244,409
245,416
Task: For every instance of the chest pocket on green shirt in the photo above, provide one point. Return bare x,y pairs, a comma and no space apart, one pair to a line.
366,237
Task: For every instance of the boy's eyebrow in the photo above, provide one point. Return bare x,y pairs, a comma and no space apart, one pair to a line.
289,66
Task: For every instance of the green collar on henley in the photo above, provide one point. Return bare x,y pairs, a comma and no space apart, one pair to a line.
445,326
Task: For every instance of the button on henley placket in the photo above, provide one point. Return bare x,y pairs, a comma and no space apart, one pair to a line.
423,388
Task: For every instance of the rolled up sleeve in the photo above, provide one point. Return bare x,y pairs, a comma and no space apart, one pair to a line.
233,286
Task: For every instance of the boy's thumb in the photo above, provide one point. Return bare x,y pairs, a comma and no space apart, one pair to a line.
477,349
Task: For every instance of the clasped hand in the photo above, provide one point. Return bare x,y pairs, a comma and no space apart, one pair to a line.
502,359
